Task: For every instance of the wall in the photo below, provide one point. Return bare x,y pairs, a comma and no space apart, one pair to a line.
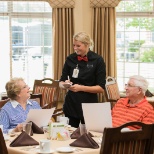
83,16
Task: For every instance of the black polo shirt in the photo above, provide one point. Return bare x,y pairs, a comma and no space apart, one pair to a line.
91,73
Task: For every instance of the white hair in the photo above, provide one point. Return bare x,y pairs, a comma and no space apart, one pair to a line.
140,81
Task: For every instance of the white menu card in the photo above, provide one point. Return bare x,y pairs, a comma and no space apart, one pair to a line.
97,116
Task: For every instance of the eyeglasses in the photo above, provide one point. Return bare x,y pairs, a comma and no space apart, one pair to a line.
129,85
26,86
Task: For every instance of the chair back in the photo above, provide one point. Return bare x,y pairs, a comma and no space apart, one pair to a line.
49,89
112,90
139,141
36,97
3,148
57,113
3,102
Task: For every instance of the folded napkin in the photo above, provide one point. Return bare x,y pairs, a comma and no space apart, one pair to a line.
36,129
76,134
23,140
91,135
148,93
85,141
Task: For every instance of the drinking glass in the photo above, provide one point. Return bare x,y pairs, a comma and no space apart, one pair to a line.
83,129
27,127
46,130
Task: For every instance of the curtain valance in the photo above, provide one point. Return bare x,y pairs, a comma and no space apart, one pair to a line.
104,3
61,3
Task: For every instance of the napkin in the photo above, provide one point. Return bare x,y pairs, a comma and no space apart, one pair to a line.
36,129
85,141
23,140
148,93
76,134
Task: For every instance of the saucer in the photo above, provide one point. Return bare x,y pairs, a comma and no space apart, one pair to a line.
51,151
65,149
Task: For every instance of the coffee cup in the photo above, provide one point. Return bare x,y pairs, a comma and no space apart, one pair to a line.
64,120
45,146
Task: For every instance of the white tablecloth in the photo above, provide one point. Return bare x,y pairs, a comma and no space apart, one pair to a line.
54,145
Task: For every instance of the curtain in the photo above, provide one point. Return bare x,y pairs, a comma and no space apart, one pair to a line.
63,31
104,34
104,37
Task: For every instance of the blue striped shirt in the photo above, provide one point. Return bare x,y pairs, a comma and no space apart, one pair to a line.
12,113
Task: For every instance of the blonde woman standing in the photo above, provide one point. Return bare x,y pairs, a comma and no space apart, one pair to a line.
86,72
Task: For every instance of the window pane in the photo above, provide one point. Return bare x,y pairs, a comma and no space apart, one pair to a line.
27,42
135,43
135,6
3,6
4,52
31,7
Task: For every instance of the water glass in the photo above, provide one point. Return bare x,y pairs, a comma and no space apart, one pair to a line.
46,130
27,127
83,129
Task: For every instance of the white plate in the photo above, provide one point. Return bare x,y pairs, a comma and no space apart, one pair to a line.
51,151
65,149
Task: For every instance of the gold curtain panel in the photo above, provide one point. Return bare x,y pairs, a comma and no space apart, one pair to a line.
104,3
62,3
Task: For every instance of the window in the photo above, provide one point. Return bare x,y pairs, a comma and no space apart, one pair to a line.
25,40
135,41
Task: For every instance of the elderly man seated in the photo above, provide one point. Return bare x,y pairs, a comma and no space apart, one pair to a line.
134,107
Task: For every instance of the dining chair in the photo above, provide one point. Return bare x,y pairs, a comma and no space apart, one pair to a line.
57,113
112,90
140,141
36,97
3,148
3,102
49,91
152,103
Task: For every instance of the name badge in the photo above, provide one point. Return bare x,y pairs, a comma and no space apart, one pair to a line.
75,72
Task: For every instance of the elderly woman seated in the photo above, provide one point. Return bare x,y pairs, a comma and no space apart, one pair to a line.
134,107
15,111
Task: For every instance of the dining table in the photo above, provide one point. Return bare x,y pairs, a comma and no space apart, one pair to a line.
55,145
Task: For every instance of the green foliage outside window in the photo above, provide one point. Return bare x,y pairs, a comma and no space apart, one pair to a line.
134,46
148,56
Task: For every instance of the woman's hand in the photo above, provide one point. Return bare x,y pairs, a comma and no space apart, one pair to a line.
68,81
76,88
66,84
18,128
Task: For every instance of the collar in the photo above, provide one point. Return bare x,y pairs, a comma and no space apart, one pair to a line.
126,102
15,103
